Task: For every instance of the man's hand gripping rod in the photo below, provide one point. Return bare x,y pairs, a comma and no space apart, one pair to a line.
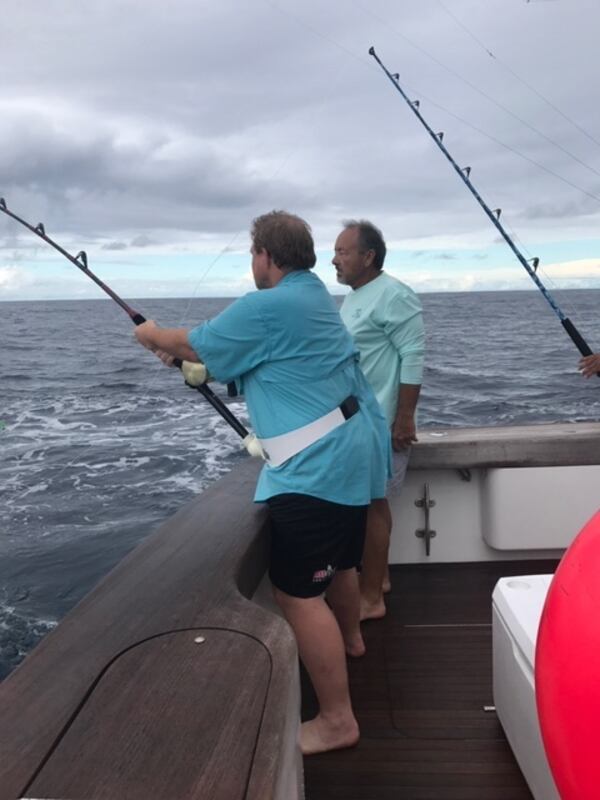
194,374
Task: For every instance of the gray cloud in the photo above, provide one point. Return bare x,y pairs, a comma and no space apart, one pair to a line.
130,123
571,210
142,241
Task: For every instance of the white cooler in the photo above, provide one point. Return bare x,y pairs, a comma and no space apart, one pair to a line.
516,609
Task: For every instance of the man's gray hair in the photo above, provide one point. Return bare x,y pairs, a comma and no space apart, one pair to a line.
369,238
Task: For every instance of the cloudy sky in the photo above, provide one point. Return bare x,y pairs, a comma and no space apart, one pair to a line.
151,133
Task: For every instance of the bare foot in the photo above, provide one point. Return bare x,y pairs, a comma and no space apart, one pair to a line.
321,734
355,647
370,610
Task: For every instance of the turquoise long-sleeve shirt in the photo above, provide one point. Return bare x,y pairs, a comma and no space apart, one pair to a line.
291,355
386,322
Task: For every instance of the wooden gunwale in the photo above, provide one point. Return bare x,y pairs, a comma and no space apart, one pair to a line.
195,573
548,445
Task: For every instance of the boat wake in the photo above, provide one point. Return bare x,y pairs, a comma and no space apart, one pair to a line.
18,635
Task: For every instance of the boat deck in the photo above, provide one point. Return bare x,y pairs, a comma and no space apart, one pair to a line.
419,695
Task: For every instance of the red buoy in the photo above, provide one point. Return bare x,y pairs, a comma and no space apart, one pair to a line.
567,668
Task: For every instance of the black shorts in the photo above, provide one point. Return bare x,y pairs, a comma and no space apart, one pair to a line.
311,539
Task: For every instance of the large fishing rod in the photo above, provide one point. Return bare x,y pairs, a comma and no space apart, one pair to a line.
494,216
188,369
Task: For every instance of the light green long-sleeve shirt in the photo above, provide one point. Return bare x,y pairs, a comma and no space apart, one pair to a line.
385,318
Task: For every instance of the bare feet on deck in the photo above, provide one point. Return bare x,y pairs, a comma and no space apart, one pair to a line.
321,734
355,647
386,587
370,610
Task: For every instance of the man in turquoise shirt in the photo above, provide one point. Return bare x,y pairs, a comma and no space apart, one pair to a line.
327,443
385,319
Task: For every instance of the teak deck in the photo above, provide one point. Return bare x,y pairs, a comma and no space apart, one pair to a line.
419,695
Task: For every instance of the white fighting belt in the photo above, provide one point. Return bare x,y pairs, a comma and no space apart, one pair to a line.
278,449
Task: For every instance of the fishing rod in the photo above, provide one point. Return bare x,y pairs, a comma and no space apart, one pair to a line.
192,373
494,216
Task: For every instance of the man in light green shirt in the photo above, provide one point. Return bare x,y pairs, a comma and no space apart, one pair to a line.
385,318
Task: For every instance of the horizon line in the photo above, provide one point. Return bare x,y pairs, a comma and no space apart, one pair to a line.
237,296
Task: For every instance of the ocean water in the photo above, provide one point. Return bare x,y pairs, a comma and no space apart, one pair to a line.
99,443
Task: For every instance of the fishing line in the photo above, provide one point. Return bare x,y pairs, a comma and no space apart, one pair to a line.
463,121
231,388
494,139
447,111
80,261
565,304
478,130
324,101
120,423
516,75
479,91
334,86
437,105
547,278
270,179
494,216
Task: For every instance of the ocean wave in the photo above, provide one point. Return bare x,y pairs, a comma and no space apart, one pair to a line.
19,633
105,444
